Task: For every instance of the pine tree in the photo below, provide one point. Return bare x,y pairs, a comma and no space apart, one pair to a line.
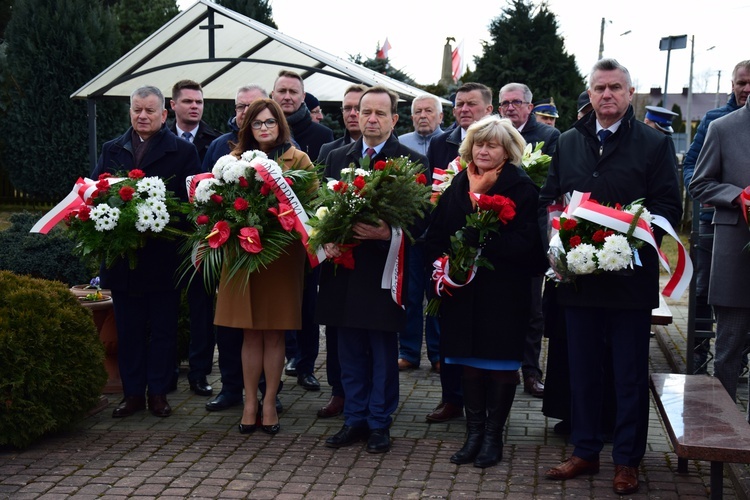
526,48
53,48
137,20
260,10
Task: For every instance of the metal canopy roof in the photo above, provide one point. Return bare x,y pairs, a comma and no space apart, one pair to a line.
224,50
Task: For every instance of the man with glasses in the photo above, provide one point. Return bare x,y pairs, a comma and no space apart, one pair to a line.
350,115
515,105
473,102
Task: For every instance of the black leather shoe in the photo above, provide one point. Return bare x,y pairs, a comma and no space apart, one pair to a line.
291,368
379,441
308,382
271,429
129,406
347,436
247,428
159,405
201,387
224,401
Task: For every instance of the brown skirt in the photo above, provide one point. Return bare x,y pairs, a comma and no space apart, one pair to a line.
272,298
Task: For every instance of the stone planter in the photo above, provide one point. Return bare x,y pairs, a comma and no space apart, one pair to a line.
104,319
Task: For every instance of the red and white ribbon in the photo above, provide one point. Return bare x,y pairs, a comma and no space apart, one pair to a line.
79,195
272,174
441,275
441,178
191,182
745,199
581,208
393,272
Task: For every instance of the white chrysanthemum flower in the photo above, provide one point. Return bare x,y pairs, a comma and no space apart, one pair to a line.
362,172
145,218
251,155
153,186
205,189
105,217
221,164
615,253
233,171
645,214
346,170
158,225
162,216
581,259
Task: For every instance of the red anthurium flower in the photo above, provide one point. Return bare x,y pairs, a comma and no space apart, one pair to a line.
202,219
217,198
285,214
346,259
126,193
250,240
575,241
379,165
421,179
340,187
359,182
240,204
84,211
136,174
243,182
219,234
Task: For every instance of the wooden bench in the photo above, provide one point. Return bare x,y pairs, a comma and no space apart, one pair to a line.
662,315
703,423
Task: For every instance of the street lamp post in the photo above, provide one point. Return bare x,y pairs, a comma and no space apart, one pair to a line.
668,43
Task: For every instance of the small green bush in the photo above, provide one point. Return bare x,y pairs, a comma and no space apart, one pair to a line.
47,256
52,368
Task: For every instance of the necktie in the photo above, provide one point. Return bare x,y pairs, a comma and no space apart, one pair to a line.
370,152
604,135
187,136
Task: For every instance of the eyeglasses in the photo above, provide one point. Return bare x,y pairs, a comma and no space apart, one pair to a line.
516,103
348,109
241,107
270,123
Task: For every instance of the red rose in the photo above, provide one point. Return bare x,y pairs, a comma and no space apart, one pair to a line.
340,187
359,182
243,182
202,219
608,233
265,189
570,224
136,174
84,212
598,237
102,185
574,241
250,240
240,204
219,234
216,198
103,176
507,212
484,202
421,179
126,193
379,165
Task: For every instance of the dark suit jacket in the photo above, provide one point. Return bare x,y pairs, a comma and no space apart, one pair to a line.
205,136
444,148
354,298
330,146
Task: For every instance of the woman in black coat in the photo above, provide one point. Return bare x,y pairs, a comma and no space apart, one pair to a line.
483,323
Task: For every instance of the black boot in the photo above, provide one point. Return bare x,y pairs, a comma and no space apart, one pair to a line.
499,401
474,404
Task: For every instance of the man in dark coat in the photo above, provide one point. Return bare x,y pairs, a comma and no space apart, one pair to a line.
187,103
619,160
473,102
516,105
146,299
350,115
353,300
289,92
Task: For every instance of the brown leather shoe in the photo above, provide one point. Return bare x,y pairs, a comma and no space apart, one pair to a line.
333,408
444,412
159,406
532,385
406,365
573,467
626,480
128,406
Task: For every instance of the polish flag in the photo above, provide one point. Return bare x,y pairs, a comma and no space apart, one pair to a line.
457,59
383,52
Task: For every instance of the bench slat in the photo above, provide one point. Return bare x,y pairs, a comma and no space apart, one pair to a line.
702,420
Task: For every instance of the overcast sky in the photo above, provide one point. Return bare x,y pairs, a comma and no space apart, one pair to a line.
417,32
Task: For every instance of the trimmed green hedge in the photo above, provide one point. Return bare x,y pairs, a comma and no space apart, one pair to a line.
52,368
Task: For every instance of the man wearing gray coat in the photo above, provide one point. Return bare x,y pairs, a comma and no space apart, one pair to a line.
721,174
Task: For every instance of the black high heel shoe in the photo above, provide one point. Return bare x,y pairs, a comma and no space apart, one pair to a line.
247,428
271,429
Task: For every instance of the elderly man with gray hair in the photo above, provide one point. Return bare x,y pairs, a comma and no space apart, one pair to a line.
426,116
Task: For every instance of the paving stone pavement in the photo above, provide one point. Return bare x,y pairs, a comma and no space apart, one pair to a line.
199,454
